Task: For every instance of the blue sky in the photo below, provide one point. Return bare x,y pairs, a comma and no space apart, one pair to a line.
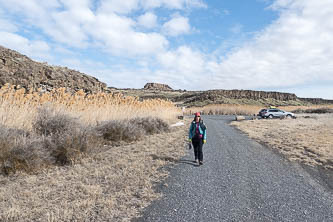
272,45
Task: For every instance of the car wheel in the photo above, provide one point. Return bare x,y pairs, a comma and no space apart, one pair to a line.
289,116
270,116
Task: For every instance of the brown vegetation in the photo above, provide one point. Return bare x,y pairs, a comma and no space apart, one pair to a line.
113,184
82,157
250,110
308,139
43,129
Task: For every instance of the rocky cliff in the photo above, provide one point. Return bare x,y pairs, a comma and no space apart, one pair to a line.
157,86
18,69
250,94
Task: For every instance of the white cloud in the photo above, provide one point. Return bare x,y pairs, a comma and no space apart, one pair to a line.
183,67
75,24
173,4
148,20
313,91
6,25
35,49
236,29
118,6
177,26
118,36
128,6
295,49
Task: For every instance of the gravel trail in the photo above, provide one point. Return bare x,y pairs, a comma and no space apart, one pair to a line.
240,181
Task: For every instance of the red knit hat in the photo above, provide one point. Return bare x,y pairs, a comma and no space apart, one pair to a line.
197,114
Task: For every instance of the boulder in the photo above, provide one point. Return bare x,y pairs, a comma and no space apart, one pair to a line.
239,118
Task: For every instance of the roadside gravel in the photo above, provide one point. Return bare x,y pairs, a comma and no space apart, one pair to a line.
240,180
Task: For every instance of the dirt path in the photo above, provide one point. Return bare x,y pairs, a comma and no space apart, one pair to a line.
240,181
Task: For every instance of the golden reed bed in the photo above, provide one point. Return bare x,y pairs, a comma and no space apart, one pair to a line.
18,108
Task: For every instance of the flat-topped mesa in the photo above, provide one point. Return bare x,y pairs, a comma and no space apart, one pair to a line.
18,69
157,86
255,95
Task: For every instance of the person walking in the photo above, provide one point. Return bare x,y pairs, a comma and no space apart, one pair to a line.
197,136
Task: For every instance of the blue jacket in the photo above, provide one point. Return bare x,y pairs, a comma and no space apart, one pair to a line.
202,130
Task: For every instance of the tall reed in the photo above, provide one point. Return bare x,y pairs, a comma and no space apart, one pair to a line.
18,107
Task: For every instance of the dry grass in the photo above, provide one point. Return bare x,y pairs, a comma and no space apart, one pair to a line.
225,109
308,139
59,128
40,131
248,110
112,185
18,108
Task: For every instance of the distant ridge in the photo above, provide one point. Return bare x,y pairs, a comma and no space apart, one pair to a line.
18,69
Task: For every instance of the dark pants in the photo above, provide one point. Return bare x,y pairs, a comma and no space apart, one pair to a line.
197,147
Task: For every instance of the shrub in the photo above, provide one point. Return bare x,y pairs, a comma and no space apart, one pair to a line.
20,151
320,110
65,138
65,147
49,122
120,130
131,130
317,111
151,125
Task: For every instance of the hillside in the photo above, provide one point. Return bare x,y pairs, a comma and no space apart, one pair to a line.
18,69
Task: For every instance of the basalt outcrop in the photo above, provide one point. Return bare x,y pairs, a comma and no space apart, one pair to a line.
18,69
247,94
157,86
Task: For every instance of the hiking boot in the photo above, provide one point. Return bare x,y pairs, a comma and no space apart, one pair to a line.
196,161
200,162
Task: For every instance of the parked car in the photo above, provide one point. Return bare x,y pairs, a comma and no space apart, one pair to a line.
277,113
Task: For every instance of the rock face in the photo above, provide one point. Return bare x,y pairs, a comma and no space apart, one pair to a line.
222,96
250,94
18,69
157,86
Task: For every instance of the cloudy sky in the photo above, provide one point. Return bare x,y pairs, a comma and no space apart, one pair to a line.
272,45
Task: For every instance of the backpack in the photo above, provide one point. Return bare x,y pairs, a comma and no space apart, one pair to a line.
202,125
